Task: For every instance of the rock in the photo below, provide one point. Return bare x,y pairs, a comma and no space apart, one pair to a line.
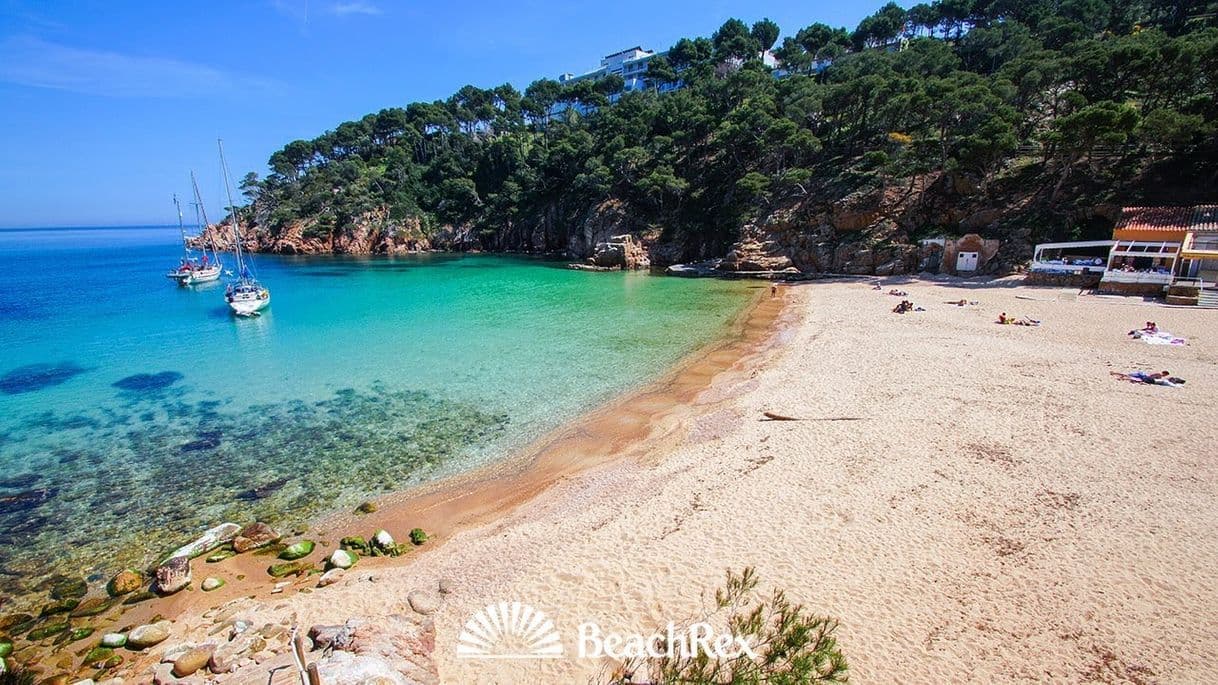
162,674
226,655
330,577
139,597
172,652
211,539
124,582
342,559
213,583
290,568
221,555
253,536
79,633
418,536
142,637
382,541
65,588
6,648
366,508
173,575
356,544
113,640
98,656
620,252
424,601
48,630
193,660
92,607
445,586
298,550
323,636
62,606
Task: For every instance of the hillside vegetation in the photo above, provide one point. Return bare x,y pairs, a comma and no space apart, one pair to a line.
1033,114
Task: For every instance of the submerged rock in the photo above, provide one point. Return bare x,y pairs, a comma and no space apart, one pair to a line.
61,606
148,382
124,582
209,540
98,656
34,377
25,480
24,501
63,587
173,575
254,536
48,630
93,606
298,550
263,491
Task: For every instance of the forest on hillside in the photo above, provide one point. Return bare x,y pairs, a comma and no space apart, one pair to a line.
1043,105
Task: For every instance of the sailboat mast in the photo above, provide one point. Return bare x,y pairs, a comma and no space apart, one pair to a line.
181,227
232,208
200,210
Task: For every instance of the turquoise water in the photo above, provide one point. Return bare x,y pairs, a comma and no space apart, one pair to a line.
134,413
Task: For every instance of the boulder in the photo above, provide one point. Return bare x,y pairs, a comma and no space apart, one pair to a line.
297,550
126,581
290,568
173,575
342,559
209,540
331,577
424,601
142,637
383,541
620,252
227,654
253,536
193,660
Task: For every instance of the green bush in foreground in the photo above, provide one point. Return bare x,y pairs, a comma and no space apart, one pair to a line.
792,645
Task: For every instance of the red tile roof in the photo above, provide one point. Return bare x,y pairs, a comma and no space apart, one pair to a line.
1196,218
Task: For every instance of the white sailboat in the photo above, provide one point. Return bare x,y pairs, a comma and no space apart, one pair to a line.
245,295
191,269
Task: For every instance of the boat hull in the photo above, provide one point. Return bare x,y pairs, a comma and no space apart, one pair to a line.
195,276
248,306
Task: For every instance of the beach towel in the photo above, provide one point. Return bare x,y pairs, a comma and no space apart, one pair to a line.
1156,337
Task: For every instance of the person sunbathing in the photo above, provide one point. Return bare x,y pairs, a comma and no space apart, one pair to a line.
898,293
1021,321
904,306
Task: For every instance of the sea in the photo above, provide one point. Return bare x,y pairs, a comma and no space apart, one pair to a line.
135,413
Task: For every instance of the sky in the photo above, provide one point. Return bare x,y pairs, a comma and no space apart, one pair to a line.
105,107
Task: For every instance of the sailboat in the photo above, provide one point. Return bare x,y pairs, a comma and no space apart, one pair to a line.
245,295
192,270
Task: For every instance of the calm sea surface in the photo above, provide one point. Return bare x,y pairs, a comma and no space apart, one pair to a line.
134,413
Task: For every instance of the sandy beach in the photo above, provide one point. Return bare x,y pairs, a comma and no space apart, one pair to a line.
973,502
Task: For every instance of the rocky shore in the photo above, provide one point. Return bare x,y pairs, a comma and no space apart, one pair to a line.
116,632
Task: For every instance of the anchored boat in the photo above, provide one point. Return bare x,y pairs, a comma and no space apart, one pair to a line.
191,269
245,296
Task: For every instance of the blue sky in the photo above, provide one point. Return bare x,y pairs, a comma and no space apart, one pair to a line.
106,106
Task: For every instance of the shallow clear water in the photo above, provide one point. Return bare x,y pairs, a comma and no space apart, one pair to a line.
134,413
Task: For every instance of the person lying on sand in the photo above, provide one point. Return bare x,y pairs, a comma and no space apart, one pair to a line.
962,302
877,286
1021,321
906,306
898,293
1149,378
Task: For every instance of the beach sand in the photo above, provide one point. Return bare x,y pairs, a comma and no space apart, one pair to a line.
974,502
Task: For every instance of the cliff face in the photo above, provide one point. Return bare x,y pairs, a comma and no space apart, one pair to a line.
373,233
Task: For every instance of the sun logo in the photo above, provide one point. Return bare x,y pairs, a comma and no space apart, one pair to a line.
509,630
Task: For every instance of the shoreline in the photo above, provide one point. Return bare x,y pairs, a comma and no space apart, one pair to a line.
617,429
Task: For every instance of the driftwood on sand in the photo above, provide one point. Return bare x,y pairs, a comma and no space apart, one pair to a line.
771,416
